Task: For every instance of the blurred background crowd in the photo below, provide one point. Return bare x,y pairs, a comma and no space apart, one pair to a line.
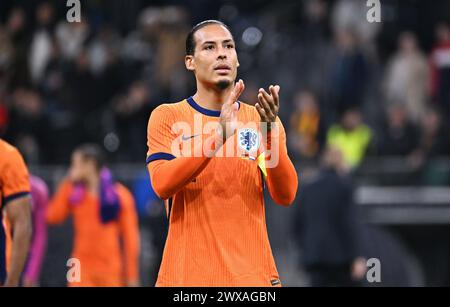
378,94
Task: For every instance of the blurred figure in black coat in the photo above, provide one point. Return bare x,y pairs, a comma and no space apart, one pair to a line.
326,226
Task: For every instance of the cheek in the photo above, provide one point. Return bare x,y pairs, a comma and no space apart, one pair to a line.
204,61
204,71
203,67
234,57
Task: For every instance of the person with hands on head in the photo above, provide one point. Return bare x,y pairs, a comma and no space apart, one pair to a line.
106,231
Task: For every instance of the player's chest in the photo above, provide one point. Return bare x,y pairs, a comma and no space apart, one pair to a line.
193,138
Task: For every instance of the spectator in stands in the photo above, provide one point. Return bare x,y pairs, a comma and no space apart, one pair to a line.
17,33
131,113
349,72
306,133
314,26
350,14
28,124
71,37
41,42
351,136
406,80
440,68
399,135
433,139
326,226
6,49
171,75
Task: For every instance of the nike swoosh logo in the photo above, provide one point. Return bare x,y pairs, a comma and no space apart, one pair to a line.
185,138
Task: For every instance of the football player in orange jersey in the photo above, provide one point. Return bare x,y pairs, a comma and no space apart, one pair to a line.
215,205
106,231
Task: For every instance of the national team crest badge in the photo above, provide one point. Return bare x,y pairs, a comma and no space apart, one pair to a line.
248,139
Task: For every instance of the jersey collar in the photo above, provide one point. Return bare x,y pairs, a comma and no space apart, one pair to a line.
204,111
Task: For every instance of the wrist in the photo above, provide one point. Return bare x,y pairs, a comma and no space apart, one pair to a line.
220,133
226,130
270,133
213,143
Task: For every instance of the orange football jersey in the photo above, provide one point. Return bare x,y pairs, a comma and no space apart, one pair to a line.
217,228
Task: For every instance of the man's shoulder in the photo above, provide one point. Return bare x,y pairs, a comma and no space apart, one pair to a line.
10,153
7,149
174,109
170,112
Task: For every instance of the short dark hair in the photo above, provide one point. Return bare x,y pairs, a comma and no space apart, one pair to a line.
190,41
94,153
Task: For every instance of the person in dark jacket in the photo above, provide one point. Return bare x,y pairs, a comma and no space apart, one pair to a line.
327,226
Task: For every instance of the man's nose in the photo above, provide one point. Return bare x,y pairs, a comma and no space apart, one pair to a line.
222,54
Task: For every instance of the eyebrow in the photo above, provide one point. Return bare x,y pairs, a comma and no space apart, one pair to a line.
223,42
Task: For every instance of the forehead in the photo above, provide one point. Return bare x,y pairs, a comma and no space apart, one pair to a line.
77,155
212,33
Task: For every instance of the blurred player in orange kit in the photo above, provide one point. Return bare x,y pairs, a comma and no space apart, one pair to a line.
210,157
15,204
106,239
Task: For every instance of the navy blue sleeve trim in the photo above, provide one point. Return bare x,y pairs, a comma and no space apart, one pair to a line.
160,156
15,196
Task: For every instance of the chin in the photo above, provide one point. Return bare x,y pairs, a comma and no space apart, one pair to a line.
224,83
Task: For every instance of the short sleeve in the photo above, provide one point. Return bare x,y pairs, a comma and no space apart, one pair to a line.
14,177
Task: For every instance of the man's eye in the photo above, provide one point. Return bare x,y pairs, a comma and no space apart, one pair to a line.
230,46
210,47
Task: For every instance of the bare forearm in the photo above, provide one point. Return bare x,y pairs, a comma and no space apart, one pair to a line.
20,245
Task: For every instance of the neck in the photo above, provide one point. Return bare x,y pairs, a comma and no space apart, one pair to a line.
212,98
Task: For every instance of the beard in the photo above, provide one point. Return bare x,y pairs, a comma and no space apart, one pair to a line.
223,84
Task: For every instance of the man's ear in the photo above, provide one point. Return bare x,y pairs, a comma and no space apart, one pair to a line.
189,62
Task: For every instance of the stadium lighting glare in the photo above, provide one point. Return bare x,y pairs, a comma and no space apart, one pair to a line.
252,36
111,142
